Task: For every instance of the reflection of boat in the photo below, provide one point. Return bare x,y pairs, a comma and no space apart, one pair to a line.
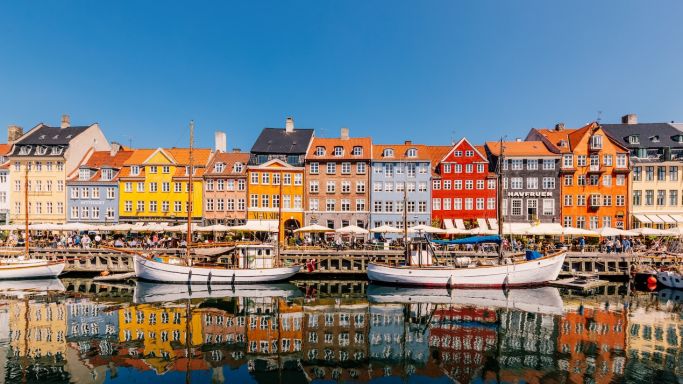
21,287
668,294
146,292
539,300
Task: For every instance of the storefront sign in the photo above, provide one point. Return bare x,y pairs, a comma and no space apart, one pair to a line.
531,194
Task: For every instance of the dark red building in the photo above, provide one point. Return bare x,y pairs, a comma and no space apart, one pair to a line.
462,187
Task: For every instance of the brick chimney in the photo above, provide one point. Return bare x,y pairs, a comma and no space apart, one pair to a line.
115,148
408,142
289,125
221,141
629,119
559,126
66,121
14,132
344,133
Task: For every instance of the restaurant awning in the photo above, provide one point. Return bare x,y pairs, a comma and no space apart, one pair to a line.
667,219
678,218
655,219
642,218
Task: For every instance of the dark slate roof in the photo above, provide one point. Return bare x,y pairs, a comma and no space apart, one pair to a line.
46,135
278,141
645,132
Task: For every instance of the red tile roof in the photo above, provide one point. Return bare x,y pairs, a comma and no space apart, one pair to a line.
520,148
229,159
400,151
348,144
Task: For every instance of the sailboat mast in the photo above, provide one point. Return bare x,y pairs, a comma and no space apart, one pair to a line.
405,212
499,195
188,240
26,245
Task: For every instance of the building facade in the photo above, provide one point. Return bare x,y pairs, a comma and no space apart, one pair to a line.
466,189
47,156
154,185
93,193
530,174
337,178
594,175
656,153
5,203
276,174
400,176
225,188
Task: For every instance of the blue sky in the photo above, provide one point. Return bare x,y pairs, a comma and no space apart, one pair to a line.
393,70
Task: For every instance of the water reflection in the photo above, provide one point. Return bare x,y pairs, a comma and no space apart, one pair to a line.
348,333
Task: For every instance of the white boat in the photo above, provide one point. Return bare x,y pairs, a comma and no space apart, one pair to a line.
255,265
545,300
146,292
468,273
22,287
671,278
21,268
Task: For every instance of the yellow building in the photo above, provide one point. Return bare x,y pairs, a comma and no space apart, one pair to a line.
162,331
153,185
41,332
49,155
272,184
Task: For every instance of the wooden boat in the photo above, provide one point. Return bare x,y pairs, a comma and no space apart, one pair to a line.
22,268
670,277
256,262
537,300
146,292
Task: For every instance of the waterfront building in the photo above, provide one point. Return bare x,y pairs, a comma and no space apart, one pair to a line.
154,183
38,330
400,173
87,320
465,190
93,191
5,203
594,175
276,177
338,178
656,151
531,186
49,155
225,188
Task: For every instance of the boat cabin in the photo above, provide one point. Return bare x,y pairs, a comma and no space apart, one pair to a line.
255,256
421,252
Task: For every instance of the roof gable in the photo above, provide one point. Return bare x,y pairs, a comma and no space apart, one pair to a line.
160,157
469,146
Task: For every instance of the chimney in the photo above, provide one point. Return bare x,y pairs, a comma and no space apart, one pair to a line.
221,141
66,121
518,139
289,125
14,132
408,142
344,133
115,148
559,126
629,119
236,150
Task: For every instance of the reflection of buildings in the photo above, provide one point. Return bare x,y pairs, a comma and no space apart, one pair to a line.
592,344
654,338
40,333
86,320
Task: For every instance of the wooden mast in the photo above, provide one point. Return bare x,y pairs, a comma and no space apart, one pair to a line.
26,245
188,240
405,212
499,195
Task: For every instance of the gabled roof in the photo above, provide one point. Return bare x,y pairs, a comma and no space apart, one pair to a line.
571,136
272,162
646,132
46,135
400,151
478,149
279,141
99,160
520,149
436,153
5,149
347,144
177,156
229,159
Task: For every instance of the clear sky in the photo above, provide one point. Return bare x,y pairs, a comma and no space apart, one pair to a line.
394,70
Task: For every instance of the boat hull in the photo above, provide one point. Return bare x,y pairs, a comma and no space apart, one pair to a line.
522,274
151,270
147,292
671,279
30,269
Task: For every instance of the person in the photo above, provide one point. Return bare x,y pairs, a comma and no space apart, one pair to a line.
617,246
98,240
338,243
626,244
582,243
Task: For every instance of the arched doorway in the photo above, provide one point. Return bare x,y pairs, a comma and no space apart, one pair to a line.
289,227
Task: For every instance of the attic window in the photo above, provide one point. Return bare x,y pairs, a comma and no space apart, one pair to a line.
357,151
677,138
237,168
84,174
563,143
57,150
25,150
41,137
41,150
69,136
412,152
107,174
388,152
654,139
339,151
634,139
320,151
219,167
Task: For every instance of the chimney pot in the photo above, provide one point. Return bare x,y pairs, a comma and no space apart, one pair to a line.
289,124
344,133
14,132
559,126
408,142
221,141
629,119
66,121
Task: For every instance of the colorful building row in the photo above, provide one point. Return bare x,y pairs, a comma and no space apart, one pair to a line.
619,175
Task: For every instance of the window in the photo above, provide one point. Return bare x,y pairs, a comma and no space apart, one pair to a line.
153,187
649,197
621,180
607,200
265,178
593,179
469,184
581,180
152,206
74,212
177,206
357,151
360,204
360,187
596,142
567,221
661,173
607,160
177,187
621,160
313,204
265,201
135,170
607,180
661,194
673,198
447,168
320,151
346,168
388,206
480,168
338,151
532,183
491,184
468,168
140,186
568,200
331,168
469,153
491,203
346,187
548,207
447,184
620,200
568,180
167,169
581,200
253,201
457,184
75,192
254,178
412,152
165,186
480,204
516,207
480,184
595,200
96,193
298,179
581,160
532,164
152,169
314,168
436,204
209,185
313,186
673,173
516,164
209,204
516,183
580,222
360,168
548,164
141,206
331,186
568,161
128,206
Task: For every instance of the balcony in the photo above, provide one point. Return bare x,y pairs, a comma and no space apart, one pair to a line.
595,168
621,170
594,202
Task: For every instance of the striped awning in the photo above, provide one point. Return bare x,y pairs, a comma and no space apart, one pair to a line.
678,218
667,219
642,218
655,219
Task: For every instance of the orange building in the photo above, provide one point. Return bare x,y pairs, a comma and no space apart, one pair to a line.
593,175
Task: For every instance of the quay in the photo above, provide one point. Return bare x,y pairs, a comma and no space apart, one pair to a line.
353,262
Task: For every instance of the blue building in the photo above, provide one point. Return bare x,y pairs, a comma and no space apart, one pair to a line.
88,320
93,191
400,173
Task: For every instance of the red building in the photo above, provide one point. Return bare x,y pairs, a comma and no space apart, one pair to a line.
462,187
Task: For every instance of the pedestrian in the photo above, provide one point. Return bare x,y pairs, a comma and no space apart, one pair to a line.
582,243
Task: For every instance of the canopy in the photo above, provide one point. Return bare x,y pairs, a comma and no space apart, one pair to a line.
515,228
11,227
482,231
182,228
385,229
44,227
545,229
572,231
118,228
675,231
258,226
213,228
352,230
645,231
609,232
478,240
425,229
314,228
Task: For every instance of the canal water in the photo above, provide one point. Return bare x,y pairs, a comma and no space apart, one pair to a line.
77,331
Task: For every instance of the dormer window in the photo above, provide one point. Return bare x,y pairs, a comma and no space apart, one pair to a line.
107,174
339,151
654,139
41,150
320,151
41,137
57,150
135,170
677,138
237,168
25,150
357,151
412,152
388,152
84,174
634,139
563,144
219,167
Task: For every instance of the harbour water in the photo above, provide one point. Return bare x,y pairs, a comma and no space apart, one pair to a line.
327,332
